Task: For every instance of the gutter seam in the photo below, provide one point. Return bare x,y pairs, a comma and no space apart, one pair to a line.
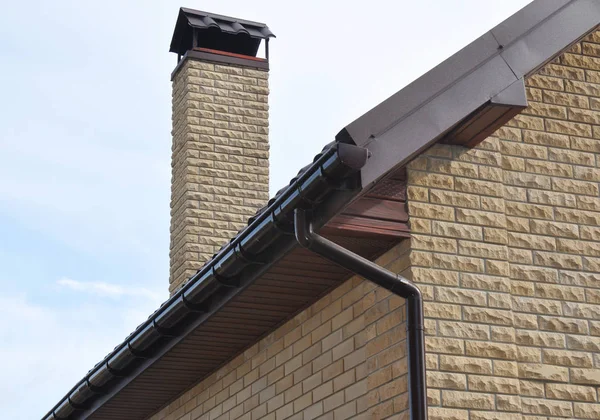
500,49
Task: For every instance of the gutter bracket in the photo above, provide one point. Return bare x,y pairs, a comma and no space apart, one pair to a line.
164,332
95,389
307,238
75,405
114,372
137,353
233,282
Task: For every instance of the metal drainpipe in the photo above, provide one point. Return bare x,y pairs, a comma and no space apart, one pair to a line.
398,285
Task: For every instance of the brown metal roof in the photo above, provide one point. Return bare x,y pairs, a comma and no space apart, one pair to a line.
260,278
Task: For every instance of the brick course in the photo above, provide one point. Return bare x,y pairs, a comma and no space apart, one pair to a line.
219,161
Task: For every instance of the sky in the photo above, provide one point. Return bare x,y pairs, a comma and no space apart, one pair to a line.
85,115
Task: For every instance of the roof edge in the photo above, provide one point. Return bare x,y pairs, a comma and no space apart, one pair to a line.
267,230
420,114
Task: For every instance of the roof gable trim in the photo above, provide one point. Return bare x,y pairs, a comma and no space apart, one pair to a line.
422,113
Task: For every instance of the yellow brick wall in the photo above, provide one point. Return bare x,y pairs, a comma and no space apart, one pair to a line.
343,357
220,159
506,247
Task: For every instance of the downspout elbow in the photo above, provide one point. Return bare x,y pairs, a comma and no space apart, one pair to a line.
303,230
393,282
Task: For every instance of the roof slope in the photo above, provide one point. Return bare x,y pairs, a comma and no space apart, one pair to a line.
459,101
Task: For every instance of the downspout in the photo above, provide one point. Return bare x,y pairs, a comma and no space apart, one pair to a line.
393,282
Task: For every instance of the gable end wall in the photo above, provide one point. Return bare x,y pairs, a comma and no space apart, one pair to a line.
507,244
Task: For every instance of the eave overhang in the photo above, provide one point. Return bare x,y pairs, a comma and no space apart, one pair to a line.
460,101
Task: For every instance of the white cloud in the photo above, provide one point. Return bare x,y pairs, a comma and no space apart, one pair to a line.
114,291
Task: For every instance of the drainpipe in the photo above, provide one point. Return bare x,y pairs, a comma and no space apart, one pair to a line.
396,284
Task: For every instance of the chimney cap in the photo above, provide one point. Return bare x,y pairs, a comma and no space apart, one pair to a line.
195,28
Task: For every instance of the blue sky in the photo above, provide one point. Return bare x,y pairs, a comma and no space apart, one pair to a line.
85,151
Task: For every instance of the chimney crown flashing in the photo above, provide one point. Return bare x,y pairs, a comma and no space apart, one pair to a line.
221,57
198,29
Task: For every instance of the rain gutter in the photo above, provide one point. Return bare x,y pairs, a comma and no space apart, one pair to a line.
266,239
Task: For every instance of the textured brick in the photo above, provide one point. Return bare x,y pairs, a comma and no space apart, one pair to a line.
493,384
585,376
587,411
435,244
549,259
432,180
546,139
465,364
488,316
529,354
454,262
493,350
463,330
461,399
481,218
474,186
561,324
566,230
447,380
429,211
521,179
567,358
438,413
508,403
462,296
570,128
534,211
444,345
571,156
454,199
552,198
543,372
539,306
571,392
547,407
567,99
586,145
582,88
455,230
209,127
546,82
487,415
528,241
548,168
561,292
575,186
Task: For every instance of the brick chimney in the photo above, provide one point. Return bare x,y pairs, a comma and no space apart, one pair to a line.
220,152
